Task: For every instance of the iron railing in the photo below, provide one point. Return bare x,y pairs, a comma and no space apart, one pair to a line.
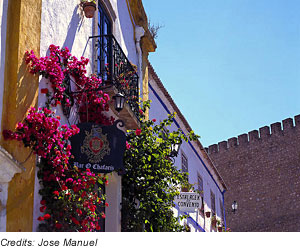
115,69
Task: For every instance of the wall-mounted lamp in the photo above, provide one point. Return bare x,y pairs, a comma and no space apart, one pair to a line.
234,206
119,101
175,149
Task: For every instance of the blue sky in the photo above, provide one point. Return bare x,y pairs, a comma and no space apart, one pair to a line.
231,66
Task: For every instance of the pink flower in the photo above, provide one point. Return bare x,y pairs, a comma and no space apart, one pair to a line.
41,131
47,216
138,132
69,180
42,208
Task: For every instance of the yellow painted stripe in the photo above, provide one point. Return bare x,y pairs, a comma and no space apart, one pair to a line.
144,59
20,92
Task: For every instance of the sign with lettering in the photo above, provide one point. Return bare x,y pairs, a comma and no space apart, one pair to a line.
188,201
99,148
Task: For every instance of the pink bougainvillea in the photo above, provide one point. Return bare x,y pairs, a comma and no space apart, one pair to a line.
60,65
70,197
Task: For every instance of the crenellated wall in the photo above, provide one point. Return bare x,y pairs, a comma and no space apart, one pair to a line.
287,126
262,173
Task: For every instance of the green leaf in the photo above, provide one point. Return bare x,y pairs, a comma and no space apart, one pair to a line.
151,179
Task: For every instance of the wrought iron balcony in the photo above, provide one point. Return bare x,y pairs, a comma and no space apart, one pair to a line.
115,69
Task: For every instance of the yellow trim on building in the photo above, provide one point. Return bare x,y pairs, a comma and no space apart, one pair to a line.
137,12
20,93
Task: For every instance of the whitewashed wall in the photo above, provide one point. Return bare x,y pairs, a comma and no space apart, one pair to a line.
158,110
123,30
64,24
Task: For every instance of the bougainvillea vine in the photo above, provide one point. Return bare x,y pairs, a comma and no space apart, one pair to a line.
60,66
72,199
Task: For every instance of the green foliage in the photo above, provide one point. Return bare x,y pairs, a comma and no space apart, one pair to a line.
88,1
151,180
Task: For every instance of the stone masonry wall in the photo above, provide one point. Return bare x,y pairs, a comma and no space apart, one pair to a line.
262,172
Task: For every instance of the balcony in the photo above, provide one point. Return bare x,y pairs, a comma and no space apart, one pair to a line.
116,71
118,76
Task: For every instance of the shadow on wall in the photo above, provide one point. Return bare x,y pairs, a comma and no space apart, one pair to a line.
74,25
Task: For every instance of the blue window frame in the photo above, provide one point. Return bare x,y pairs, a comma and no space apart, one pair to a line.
104,55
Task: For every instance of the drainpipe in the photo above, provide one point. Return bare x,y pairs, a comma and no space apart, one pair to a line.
139,33
224,209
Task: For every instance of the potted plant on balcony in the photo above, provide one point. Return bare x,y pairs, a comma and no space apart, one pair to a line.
207,214
89,8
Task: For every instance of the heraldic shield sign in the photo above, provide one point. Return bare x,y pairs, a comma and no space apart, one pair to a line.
99,148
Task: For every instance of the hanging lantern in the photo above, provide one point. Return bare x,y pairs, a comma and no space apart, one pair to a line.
119,101
175,149
234,206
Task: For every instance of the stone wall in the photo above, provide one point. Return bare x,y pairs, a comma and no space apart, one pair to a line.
262,172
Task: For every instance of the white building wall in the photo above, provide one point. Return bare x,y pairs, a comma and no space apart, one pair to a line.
64,24
3,211
158,110
123,30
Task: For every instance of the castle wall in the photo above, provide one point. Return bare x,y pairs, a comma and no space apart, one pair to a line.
262,173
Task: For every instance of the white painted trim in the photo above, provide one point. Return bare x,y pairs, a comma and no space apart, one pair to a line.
8,166
109,9
3,200
113,198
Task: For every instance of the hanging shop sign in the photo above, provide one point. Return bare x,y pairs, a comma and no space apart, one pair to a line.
99,148
188,201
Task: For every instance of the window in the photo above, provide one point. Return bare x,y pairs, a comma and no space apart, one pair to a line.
104,55
112,64
184,163
222,209
200,189
213,203
200,185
